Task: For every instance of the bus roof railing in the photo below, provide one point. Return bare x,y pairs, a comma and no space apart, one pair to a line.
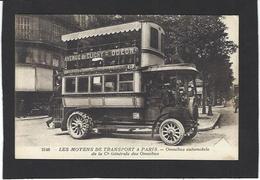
172,67
126,27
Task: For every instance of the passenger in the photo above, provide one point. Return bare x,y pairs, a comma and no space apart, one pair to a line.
165,95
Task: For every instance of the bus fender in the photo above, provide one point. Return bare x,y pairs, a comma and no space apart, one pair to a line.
66,115
158,120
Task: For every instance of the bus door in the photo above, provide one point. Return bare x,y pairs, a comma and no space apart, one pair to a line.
159,93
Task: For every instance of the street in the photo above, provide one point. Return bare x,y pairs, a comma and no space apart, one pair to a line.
36,133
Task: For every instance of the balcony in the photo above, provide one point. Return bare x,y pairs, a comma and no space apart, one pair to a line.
39,36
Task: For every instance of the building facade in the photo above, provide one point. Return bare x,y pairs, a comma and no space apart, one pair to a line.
39,54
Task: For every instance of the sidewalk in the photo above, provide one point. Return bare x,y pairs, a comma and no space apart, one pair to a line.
31,117
208,122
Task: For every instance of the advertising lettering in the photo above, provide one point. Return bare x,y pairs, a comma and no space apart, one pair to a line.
101,54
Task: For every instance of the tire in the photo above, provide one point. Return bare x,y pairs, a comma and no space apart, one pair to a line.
79,125
192,133
171,132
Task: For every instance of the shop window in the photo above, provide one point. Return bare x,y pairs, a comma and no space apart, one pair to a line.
35,54
126,82
96,83
48,59
110,83
82,84
21,54
42,57
29,56
154,38
70,84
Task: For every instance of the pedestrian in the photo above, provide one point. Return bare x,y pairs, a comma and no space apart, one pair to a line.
236,103
53,99
50,110
224,102
209,102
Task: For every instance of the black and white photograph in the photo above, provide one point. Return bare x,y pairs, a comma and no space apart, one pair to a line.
139,87
130,89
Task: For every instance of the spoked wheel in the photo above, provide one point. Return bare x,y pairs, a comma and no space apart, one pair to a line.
171,132
79,125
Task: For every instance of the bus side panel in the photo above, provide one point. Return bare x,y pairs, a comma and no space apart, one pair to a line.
150,59
103,102
107,116
151,113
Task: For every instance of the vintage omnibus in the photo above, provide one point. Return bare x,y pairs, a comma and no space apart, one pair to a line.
115,78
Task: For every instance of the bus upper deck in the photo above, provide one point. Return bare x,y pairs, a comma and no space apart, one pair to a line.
138,43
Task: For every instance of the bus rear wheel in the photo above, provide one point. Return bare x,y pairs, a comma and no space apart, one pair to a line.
79,125
171,132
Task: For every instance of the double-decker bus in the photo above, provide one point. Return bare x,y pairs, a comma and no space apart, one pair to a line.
115,78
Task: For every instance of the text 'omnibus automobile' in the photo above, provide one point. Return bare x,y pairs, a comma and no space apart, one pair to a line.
115,78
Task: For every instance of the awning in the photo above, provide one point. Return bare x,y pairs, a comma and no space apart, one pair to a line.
134,26
172,67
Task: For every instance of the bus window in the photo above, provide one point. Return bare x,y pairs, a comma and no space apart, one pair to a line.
154,38
110,83
96,83
83,84
162,42
126,82
70,84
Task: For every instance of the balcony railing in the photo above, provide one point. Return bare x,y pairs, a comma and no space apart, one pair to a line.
42,36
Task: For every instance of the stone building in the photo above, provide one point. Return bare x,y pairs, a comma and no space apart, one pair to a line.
39,54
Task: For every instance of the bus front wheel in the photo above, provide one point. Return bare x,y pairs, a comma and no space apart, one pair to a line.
79,125
171,132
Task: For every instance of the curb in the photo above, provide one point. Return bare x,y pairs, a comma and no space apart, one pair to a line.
212,125
32,118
